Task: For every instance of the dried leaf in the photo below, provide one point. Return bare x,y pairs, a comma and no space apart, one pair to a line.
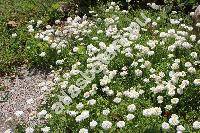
12,24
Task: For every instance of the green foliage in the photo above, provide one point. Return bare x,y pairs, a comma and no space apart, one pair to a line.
13,51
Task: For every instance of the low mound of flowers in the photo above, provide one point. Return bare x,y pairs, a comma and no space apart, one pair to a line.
120,74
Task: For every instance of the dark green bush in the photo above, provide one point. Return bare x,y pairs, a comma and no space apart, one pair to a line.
178,5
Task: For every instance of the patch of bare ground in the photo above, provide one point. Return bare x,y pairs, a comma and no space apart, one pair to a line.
22,93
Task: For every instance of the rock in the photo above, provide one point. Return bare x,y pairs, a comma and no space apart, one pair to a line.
196,19
12,24
196,16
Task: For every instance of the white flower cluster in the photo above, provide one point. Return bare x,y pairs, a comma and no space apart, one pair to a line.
82,116
152,111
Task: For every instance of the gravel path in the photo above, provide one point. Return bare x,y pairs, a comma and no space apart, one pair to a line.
19,89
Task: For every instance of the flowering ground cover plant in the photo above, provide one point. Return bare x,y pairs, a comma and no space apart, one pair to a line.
119,71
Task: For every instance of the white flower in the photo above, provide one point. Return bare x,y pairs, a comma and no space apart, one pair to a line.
160,99
157,89
45,129
67,100
141,60
154,24
93,124
165,125
42,113
147,20
134,64
152,111
29,130
171,31
168,107
174,100
186,45
150,53
112,3
48,116
177,61
171,48
110,7
104,81
193,38
185,82
59,62
107,10
180,128
180,91
174,120
174,12
39,22
153,6
95,38
48,26
79,106
192,70
59,51
102,45
192,14
152,70
141,92
75,49
193,54
163,34
131,108
72,113
57,21
110,92
106,125
99,31
19,113
197,82
196,125
30,27
188,64
130,117
128,1
83,130
131,94
92,102
120,124
124,11
117,100
123,73
198,24
106,112
30,30
42,54
174,21
85,114
175,66
196,63
156,32
14,35
138,72
147,64
158,18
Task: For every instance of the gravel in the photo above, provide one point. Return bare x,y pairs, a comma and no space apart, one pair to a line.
19,89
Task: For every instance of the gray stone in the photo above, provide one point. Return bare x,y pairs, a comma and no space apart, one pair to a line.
196,16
